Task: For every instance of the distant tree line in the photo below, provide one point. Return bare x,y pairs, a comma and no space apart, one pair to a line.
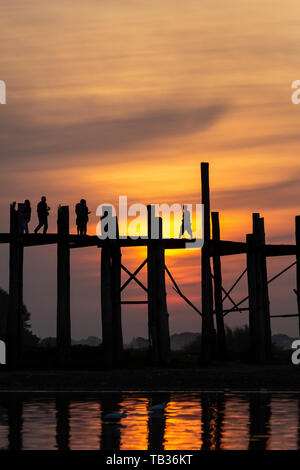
29,339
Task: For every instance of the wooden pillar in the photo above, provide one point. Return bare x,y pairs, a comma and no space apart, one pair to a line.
63,285
112,337
252,292
158,317
259,309
15,320
264,292
208,334
162,310
106,303
263,303
297,220
116,299
151,285
221,339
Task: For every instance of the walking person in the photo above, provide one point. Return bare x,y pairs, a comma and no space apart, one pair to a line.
43,212
186,223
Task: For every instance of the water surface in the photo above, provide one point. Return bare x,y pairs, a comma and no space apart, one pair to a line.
188,421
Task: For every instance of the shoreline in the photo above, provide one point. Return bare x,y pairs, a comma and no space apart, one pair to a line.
243,378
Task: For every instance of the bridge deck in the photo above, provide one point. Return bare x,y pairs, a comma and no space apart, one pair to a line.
80,241
220,248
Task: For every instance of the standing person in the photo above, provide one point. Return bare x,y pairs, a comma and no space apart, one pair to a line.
43,212
82,217
85,216
25,215
78,211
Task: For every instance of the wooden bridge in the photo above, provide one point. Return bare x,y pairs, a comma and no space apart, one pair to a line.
213,293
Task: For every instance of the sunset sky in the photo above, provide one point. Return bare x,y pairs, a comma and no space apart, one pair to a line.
127,97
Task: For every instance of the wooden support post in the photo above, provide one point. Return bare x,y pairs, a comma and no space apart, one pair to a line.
112,338
252,292
297,223
14,330
208,333
162,310
63,286
264,292
259,310
106,304
116,300
158,317
221,339
151,285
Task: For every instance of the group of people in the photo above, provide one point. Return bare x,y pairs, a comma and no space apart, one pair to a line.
43,210
82,217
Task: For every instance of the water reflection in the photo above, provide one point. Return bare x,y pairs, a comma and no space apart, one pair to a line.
236,423
157,414
157,421
85,424
259,422
63,423
110,438
14,422
213,407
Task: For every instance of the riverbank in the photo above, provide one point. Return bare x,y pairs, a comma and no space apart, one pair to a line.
214,377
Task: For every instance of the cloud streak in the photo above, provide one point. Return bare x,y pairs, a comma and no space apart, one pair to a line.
281,195
22,137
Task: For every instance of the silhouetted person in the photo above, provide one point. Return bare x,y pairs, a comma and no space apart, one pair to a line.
82,217
186,223
43,212
25,214
22,215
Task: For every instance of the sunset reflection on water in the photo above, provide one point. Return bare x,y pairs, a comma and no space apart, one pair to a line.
156,421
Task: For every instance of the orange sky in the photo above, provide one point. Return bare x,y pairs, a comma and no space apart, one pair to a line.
127,97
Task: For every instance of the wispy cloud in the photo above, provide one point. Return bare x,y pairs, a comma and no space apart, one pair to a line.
281,194
22,137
